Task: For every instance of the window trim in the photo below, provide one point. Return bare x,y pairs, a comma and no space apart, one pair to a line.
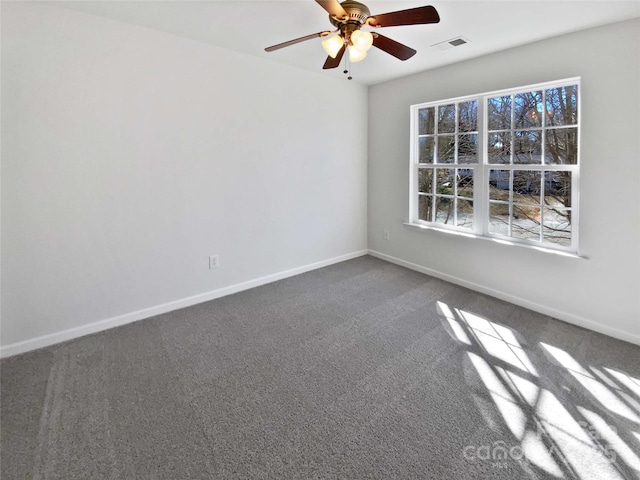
430,229
481,172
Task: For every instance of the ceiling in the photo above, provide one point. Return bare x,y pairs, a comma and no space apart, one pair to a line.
250,26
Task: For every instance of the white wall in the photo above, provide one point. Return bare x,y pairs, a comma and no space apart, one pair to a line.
601,292
129,156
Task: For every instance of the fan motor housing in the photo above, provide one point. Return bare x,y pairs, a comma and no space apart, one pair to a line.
358,13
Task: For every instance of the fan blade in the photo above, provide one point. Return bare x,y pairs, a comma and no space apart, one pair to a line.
333,7
297,40
412,16
334,62
392,47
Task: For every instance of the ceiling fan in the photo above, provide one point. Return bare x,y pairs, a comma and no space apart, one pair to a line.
349,17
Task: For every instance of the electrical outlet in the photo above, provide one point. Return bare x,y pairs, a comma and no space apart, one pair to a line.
385,234
214,261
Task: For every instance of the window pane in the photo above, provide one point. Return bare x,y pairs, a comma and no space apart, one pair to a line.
446,118
424,207
499,184
444,210
557,189
464,213
527,146
425,180
557,226
499,147
526,186
527,110
499,113
562,106
464,177
426,121
444,181
525,223
468,148
499,218
446,149
562,146
530,140
426,149
468,116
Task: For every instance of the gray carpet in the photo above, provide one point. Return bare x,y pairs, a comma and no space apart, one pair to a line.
361,370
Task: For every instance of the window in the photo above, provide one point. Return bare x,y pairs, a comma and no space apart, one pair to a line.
501,165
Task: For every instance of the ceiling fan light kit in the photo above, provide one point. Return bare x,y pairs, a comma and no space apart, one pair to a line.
356,55
332,45
362,40
348,17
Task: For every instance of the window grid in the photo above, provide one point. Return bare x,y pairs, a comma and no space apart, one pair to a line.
550,173
445,200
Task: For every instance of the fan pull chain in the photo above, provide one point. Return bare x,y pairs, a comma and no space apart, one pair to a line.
346,67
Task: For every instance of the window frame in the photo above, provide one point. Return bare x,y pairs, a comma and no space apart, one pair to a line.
481,169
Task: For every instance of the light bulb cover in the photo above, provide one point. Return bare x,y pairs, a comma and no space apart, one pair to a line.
356,55
361,40
332,45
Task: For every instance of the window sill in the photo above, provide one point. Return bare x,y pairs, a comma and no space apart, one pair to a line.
427,228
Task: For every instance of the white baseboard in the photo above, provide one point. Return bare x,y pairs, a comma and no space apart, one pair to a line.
560,315
71,333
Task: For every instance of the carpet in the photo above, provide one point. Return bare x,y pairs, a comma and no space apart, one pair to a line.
360,370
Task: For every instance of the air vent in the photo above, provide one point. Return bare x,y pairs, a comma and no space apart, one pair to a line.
457,42
454,42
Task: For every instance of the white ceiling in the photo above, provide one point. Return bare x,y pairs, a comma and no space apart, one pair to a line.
250,26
